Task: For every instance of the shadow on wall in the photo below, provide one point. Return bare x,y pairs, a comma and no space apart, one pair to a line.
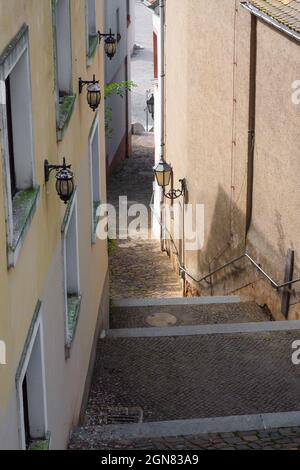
224,243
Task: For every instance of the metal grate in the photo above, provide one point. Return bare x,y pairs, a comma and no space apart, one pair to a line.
120,415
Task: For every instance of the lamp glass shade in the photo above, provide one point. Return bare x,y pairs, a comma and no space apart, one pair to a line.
65,184
94,96
163,172
110,47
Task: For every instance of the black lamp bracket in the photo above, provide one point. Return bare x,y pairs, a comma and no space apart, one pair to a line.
49,168
107,35
82,83
176,193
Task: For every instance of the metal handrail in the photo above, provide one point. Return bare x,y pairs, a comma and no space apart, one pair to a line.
274,284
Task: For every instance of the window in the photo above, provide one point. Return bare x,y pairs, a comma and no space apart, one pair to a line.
71,271
11,156
94,156
92,35
63,47
63,59
17,142
31,389
128,12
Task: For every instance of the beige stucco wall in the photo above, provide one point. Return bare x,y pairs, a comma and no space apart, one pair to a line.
276,212
207,106
38,273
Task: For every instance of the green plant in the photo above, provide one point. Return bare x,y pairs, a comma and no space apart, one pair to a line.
119,89
111,245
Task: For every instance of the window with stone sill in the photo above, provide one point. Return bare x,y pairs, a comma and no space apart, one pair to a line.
94,159
17,142
41,444
71,272
63,62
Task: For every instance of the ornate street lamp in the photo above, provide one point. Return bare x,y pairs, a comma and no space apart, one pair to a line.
163,173
150,105
110,43
64,179
93,92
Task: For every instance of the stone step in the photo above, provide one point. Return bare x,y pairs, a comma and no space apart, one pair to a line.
150,301
283,428
184,312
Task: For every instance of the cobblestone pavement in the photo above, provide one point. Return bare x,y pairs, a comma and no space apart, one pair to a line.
173,378
138,268
138,317
191,377
273,439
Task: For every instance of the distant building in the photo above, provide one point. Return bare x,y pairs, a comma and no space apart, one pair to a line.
120,18
53,270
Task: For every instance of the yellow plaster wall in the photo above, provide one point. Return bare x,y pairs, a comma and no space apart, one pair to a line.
22,286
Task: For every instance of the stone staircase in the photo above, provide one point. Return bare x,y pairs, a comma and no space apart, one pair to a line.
187,367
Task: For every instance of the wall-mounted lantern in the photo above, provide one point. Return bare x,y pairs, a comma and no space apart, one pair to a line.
163,173
64,179
93,92
150,105
110,43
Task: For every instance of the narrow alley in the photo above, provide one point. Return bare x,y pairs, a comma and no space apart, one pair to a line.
138,268
149,228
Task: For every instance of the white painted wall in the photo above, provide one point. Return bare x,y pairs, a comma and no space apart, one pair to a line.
131,29
118,123
115,69
113,66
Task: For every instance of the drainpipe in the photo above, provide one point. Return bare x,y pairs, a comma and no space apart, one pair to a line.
162,101
252,122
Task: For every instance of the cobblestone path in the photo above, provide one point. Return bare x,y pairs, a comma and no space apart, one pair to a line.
179,378
138,268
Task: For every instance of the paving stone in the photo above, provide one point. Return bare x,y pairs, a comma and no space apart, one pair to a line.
265,434
250,438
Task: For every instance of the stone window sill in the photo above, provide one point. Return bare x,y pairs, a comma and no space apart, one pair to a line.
73,306
93,44
24,206
95,221
66,107
41,444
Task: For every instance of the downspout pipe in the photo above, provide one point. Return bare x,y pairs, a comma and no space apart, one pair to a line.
252,122
162,74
